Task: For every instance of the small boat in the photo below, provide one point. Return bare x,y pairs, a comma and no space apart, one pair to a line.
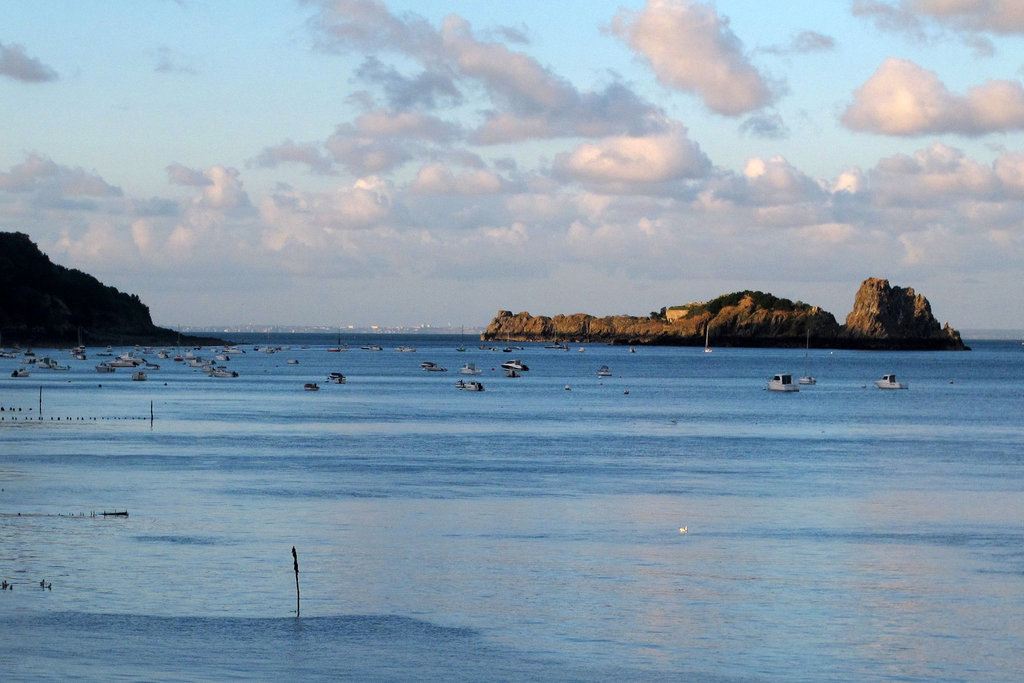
311,386
473,385
707,338
139,376
222,372
889,382
516,365
105,367
20,372
782,383
405,349
512,373
372,347
292,361
127,360
604,371
336,378
432,367
470,369
151,366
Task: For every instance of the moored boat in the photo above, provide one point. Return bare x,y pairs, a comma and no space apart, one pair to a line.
782,383
889,382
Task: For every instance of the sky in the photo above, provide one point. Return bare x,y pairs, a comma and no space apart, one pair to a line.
379,162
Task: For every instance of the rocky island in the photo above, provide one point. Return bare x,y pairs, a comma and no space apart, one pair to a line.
883,317
45,304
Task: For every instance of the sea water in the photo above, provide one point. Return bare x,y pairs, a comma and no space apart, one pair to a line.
672,521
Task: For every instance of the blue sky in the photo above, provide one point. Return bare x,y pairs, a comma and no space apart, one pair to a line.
348,162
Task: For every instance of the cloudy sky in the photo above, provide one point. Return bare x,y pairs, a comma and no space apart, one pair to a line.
356,162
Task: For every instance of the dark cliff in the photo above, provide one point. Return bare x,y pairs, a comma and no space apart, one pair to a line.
45,303
883,318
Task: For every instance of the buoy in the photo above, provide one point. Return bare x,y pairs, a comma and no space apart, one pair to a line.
683,529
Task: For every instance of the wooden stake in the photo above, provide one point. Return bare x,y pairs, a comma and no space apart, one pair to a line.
295,557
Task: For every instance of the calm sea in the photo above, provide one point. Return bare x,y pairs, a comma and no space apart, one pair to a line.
532,531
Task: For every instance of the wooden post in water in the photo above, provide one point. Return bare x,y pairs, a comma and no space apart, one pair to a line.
40,403
150,414
295,557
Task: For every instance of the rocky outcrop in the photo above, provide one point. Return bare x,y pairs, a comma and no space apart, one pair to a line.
740,319
44,303
884,317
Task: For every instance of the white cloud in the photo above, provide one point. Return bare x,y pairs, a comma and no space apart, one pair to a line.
693,50
438,179
901,98
624,164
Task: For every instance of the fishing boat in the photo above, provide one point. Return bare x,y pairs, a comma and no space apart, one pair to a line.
782,383
470,369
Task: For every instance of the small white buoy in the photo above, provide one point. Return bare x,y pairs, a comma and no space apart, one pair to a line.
626,391
683,529
568,388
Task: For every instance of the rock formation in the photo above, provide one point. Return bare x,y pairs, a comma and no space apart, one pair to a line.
891,317
884,317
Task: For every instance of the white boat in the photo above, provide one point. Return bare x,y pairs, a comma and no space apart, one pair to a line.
473,385
405,349
515,365
782,383
222,372
430,366
139,376
20,372
151,366
105,367
707,338
292,361
604,371
470,369
371,347
126,360
889,382
336,378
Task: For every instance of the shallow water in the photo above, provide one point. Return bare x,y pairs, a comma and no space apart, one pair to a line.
525,532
